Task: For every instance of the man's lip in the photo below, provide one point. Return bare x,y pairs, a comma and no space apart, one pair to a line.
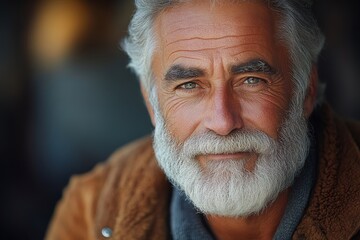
226,156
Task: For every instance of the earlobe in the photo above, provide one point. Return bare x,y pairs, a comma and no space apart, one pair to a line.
310,98
149,107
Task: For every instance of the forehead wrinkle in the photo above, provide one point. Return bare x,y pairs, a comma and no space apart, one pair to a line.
253,47
217,26
245,44
243,52
210,38
206,32
255,33
192,51
192,58
223,47
198,42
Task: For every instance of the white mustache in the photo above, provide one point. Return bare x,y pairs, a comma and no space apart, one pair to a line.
239,141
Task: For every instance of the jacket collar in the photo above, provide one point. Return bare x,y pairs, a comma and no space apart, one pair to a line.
334,209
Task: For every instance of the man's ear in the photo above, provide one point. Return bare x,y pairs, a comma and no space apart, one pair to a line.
310,98
149,107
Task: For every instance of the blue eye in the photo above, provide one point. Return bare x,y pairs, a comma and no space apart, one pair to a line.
188,85
252,80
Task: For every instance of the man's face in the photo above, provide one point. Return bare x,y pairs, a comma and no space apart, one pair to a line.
220,68
224,132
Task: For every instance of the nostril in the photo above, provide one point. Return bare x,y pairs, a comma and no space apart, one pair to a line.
223,124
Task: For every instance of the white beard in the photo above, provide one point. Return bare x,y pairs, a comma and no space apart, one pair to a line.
225,187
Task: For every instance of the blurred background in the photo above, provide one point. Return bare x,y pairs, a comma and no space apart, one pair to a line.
67,100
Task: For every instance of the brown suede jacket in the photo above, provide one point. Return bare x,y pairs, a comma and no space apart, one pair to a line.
130,194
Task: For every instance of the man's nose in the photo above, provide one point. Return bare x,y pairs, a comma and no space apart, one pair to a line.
223,114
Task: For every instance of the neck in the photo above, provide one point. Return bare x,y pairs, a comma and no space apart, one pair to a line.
261,226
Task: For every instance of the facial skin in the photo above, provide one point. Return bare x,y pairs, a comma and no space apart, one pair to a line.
220,69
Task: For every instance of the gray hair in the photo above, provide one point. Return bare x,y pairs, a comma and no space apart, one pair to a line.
297,28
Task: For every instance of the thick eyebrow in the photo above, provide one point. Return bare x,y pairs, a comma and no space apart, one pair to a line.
257,65
177,72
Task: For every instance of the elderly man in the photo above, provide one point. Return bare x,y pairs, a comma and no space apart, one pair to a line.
231,88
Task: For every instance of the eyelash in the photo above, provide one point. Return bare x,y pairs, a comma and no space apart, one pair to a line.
182,86
196,85
260,80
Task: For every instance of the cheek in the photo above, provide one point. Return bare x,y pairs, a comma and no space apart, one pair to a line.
182,117
266,112
263,117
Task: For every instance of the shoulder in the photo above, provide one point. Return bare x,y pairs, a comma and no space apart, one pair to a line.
129,156
333,210
80,208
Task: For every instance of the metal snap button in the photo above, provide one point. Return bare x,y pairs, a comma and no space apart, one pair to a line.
106,232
